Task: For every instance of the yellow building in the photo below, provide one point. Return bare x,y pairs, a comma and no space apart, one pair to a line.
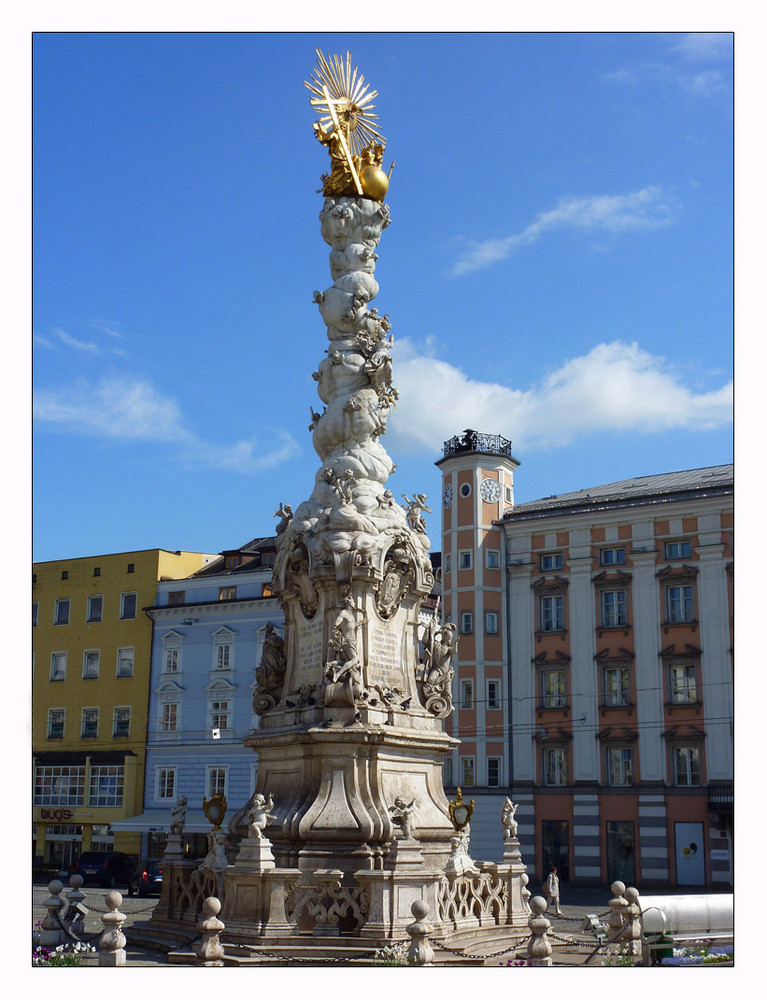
90,692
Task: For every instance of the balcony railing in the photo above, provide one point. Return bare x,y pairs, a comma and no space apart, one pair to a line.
721,797
471,440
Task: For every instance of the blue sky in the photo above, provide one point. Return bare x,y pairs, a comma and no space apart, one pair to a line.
558,270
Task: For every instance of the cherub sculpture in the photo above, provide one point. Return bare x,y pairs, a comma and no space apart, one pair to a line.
413,508
402,816
510,826
259,815
178,815
285,513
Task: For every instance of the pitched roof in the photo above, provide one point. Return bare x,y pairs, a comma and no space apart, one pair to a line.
641,491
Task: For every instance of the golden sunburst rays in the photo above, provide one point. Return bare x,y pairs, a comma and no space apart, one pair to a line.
341,98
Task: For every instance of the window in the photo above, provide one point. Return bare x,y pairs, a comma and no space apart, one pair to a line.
106,787
619,765
266,590
169,719
448,561
125,661
616,686
232,562
35,606
61,614
687,766
128,605
464,559
509,494
58,666
493,559
55,723
612,557
679,603
97,571
95,608
59,785
678,550
554,765
493,772
166,783
493,694
553,692
90,723
216,781
467,771
467,623
551,562
91,661
267,558
223,655
612,608
219,715
131,567
121,722
491,622
684,688
467,694
65,574
552,610
465,489
227,593
176,597
170,660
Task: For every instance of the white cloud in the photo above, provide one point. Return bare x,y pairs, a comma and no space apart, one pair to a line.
615,387
78,345
132,409
704,45
649,208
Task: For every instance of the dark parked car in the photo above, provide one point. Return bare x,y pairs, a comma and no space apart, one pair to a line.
150,877
108,868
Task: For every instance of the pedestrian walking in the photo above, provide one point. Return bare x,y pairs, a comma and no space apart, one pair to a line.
551,888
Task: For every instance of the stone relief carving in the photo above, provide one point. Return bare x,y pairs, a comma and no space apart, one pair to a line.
216,857
398,576
440,643
259,815
297,578
343,675
270,673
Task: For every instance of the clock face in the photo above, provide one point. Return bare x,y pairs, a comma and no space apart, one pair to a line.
447,495
489,490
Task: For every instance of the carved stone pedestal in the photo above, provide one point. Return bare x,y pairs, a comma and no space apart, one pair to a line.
392,894
254,901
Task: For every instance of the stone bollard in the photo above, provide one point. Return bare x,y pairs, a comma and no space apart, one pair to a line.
538,947
420,951
112,941
74,919
208,949
51,934
632,926
615,921
524,891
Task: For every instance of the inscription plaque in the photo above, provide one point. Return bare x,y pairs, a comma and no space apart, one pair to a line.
386,667
310,654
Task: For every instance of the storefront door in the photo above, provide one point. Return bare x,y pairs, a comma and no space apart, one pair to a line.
621,864
555,847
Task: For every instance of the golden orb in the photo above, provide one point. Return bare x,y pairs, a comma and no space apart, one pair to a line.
374,182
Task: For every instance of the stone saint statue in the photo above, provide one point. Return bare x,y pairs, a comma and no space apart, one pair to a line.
402,816
178,815
259,815
510,826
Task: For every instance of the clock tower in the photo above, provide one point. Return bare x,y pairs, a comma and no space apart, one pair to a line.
477,488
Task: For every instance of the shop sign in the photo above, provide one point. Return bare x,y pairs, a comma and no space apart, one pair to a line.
57,815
